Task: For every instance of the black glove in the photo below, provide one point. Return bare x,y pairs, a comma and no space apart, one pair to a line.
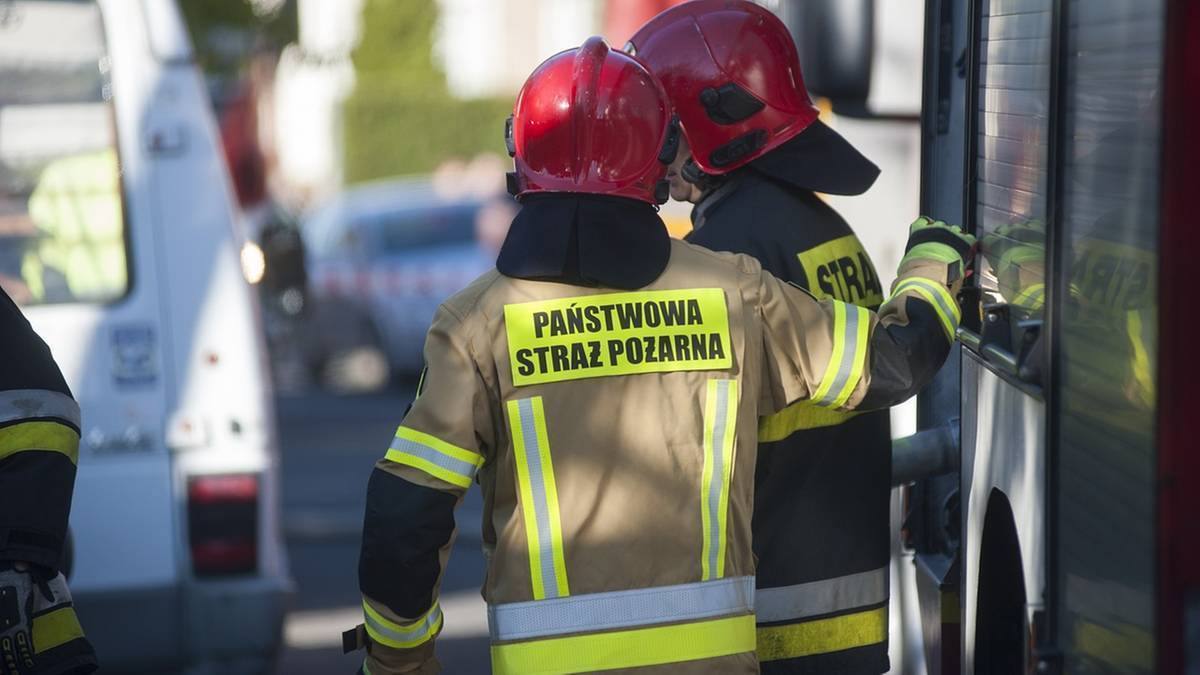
39,632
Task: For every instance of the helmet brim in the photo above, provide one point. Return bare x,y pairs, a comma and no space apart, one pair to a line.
819,159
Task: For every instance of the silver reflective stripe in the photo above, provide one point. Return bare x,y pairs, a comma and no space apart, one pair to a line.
541,509
622,609
817,598
717,486
434,456
849,338
411,633
18,404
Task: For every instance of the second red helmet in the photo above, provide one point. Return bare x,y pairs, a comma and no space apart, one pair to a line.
732,72
592,120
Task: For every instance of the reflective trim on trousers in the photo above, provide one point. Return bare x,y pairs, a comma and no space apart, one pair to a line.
538,498
641,607
822,636
442,460
850,326
818,598
720,423
29,404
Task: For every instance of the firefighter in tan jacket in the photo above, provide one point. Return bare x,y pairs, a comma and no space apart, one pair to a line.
603,386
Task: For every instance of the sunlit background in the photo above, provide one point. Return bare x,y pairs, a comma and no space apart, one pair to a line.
363,145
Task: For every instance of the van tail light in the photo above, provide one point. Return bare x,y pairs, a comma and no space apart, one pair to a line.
223,524
1178,357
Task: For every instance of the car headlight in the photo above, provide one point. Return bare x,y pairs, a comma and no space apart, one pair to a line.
254,263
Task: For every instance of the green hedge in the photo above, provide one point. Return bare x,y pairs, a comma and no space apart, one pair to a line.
401,118
391,131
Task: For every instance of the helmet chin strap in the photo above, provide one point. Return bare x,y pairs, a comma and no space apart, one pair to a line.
693,174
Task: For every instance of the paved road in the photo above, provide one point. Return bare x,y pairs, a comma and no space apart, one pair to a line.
329,444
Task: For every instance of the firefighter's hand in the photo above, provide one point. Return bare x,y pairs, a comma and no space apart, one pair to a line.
935,241
39,632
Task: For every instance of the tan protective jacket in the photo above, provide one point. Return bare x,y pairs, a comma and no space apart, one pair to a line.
614,436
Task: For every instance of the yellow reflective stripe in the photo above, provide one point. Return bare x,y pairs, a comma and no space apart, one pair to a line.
858,358
438,444
55,628
938,296
720,424
1143,373
434,456
539,498
1032,297
822,636
851,325
398,635
627,648
41,436
799,416
835,359
365,669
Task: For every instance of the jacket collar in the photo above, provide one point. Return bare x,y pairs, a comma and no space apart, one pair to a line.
586,240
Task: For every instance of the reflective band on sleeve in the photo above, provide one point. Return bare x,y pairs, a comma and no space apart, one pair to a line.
539,498
640,607
24,404
822,636
402,636
936,295
434,456
720,424
850,326
817,598
39,436
659,645
55,628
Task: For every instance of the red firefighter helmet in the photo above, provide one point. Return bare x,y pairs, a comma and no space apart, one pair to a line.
592,120
732,72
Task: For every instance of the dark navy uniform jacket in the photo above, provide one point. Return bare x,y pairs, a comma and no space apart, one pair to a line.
823,480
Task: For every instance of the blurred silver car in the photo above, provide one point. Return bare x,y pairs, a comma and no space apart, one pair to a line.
381,257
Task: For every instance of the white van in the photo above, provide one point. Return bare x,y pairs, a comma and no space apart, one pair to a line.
119,238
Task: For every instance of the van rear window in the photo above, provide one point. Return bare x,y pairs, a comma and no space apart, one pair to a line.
62,224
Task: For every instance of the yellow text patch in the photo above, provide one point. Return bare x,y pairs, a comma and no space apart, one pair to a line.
840,269
618,334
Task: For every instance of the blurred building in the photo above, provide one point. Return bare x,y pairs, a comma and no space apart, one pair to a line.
313,78
488,47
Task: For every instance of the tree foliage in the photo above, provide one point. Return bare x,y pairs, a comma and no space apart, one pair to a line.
401,118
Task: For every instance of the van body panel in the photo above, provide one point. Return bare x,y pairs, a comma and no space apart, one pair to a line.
1003,450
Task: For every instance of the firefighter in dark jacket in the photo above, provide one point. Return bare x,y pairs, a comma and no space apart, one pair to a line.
758,158
39,445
